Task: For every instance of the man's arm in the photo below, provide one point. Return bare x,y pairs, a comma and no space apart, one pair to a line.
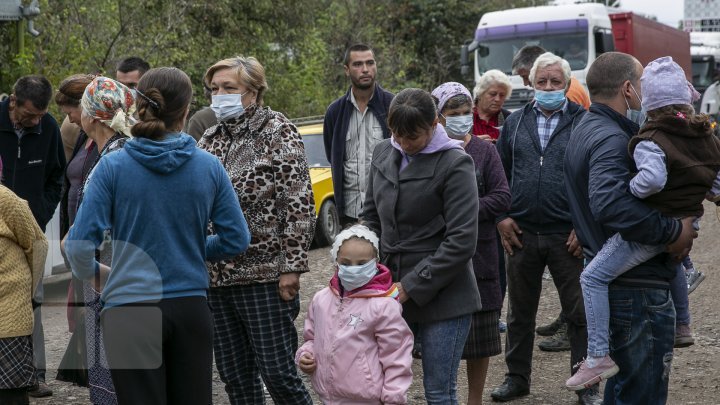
328,130
53,178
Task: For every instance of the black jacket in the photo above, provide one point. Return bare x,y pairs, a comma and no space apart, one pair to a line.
597,172
539,201
335,127
33,165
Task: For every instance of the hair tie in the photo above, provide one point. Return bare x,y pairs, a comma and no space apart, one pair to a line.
148,99
680,114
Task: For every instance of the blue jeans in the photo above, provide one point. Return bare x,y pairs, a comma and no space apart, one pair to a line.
442,346
615,258
642,333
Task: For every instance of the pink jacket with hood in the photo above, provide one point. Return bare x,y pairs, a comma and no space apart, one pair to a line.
360,342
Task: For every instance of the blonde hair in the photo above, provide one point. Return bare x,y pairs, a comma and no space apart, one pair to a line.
491,78
549,59
248,70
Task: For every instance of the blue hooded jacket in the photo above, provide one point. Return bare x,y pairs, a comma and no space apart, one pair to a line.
155,199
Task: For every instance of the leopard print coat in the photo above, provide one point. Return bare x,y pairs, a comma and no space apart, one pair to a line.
265,158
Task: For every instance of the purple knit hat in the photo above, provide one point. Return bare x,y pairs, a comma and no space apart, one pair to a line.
446,91
663,83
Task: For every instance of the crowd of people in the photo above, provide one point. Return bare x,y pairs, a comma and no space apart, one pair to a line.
449,201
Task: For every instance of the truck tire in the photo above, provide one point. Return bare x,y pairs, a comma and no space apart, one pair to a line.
328,224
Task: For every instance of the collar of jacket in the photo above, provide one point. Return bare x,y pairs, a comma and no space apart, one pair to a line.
388,164
6,123
629,127
375,103
566,118
253,120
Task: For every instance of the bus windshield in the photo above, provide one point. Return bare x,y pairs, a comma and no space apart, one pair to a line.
498,54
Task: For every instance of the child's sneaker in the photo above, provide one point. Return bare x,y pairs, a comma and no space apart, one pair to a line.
586,377
683,336
694,278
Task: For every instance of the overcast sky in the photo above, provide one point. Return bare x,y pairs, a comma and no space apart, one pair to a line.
669,12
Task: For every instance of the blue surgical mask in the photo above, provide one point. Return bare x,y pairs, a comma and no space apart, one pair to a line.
354,277
227,106
636,116
550,100
459,126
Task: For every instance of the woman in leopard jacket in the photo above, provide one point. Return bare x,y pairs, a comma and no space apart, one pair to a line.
254,296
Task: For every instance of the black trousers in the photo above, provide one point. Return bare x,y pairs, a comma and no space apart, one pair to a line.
160,352
524,273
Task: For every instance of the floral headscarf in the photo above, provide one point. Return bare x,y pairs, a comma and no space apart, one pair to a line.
110,102
448,90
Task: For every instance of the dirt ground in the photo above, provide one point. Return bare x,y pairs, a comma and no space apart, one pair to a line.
694,378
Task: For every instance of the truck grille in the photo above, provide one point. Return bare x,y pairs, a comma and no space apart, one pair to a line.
518,98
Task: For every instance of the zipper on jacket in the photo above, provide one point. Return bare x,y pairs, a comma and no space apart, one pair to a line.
541,160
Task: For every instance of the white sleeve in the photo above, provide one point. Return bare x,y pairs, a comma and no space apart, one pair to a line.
652,171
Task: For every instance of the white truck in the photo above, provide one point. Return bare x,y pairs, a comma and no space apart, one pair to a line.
705,52
577,32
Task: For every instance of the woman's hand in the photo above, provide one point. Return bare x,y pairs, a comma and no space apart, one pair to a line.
485,138
510,235
289,285
307,363
402,295
101,278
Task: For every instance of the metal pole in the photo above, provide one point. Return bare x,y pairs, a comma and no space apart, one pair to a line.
21,36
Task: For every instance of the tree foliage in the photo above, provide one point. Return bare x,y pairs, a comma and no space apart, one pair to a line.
300,42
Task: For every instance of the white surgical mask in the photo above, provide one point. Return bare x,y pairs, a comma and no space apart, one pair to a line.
227,106
636,116
354,277
458,126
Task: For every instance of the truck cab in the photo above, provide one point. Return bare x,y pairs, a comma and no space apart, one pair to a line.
577,33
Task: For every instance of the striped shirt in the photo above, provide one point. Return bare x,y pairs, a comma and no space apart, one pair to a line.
546,125
364,133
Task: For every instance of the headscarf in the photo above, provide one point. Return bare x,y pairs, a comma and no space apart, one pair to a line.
355,231
110,102
446,91
663,83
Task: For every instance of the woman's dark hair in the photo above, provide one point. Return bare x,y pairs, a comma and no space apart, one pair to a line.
163,98
71,90
411,110
699,122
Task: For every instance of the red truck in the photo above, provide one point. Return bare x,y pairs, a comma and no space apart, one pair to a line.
648,40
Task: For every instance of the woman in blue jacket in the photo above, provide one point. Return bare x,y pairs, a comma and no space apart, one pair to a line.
154,200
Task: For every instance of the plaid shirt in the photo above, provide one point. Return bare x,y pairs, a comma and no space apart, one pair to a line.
546,125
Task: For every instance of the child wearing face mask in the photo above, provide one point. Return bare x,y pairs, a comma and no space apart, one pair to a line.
357,345
678,159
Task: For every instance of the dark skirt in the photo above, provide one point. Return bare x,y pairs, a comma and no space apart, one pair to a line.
484,337
16,362
102,390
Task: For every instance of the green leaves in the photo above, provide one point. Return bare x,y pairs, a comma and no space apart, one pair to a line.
301,43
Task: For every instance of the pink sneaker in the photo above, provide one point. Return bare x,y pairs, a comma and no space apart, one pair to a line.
585,377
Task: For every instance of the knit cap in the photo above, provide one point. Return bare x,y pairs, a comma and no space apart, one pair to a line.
357,231
663,83
448,90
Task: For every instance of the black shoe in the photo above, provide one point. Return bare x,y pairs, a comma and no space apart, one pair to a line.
512,388
590,396
40,390
559,342
550,329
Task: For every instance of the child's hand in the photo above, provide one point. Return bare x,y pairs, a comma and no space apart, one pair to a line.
307,363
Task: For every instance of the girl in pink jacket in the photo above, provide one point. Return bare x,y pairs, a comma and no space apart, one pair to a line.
357,345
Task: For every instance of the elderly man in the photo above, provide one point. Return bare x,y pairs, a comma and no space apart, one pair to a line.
597,170
523,61
537,231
